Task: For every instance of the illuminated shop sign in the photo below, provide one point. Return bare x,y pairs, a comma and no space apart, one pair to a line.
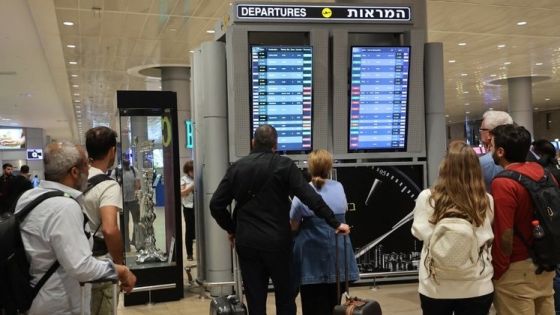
315,13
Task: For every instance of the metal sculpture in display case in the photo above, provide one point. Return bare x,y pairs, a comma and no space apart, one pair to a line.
149,252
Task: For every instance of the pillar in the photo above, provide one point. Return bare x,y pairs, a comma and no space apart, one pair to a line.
177,79
436,135
520,101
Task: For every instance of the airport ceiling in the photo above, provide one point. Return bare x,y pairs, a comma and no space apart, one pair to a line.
63,78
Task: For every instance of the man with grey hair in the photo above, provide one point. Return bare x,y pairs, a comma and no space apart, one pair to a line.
55,231
490,120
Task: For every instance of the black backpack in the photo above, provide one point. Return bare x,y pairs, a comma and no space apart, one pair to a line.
16,292
545,195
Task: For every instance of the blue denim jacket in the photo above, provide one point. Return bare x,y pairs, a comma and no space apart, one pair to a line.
314,253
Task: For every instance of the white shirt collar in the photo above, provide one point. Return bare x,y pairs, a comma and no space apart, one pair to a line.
47,184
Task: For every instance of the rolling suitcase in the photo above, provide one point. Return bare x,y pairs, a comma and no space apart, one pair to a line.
115,283
231,304
353,305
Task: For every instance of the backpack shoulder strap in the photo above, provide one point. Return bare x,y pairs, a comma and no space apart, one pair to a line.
20,215
95,180
530,184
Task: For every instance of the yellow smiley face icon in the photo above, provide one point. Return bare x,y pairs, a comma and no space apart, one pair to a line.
327,13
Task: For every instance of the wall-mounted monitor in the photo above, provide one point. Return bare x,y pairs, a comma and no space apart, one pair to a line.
281,88
378,106
12,138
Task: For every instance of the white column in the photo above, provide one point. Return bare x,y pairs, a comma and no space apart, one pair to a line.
436,135
520,101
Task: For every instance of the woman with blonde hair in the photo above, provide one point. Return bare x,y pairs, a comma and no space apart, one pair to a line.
314,247
459,283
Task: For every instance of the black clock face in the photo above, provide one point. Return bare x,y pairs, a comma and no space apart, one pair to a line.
380,201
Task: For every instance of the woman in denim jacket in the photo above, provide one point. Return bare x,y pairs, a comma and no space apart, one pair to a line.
314,248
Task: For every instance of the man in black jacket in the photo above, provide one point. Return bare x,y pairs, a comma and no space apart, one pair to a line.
5,187
20,184
261,184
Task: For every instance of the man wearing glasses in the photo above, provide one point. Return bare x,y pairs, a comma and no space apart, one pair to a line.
490,120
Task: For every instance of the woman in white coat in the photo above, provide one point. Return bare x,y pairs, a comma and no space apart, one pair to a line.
453,219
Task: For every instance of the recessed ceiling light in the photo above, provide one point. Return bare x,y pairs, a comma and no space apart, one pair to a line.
74,75
547,99
494,99
77,101
68,23
493,75
75,86
507,63
521,23
173,30
73,62
71,46
76,94
462,44
466,92
78,111
490,108
191,51
467,113
538,64
452,61
464,74
210,31
467,104
446,116
536,108
501,45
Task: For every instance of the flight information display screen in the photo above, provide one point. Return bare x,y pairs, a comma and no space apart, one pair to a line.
281,94
378,99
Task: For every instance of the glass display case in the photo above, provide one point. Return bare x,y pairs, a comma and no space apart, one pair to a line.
149,173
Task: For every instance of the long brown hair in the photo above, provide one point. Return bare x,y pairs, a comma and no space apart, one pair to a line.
459,189
320,165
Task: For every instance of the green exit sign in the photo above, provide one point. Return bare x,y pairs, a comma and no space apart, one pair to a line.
189,134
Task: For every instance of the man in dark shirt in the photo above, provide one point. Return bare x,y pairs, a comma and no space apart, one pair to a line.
5,185
20,184
261,184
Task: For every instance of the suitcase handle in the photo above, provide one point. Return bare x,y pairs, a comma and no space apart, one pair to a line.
345,268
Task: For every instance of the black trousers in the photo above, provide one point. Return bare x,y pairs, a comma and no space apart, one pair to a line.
188,213
257,266
133,208
318,299
479,305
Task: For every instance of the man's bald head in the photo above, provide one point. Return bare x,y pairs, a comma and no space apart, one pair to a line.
265,137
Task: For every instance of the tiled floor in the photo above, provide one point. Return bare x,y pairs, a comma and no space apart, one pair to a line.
395,299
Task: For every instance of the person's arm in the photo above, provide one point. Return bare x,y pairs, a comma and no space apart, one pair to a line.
422,229
187,189
219,203
504,213
65,233
313,200
110,204
111,233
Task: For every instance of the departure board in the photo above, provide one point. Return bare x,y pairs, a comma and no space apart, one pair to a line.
282,94
378,99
